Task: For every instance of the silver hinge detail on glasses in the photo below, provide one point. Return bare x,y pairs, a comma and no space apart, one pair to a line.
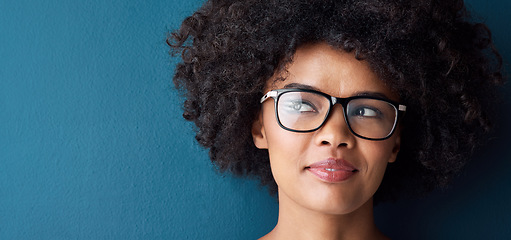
267,95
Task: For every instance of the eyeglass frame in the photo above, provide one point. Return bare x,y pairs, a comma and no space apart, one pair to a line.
276,93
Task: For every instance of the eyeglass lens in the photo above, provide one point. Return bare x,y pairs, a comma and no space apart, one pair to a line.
305,111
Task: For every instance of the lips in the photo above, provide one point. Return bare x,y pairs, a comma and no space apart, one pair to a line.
332,170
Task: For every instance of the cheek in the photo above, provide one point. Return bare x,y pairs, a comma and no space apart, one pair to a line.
286,149
377,155
281,141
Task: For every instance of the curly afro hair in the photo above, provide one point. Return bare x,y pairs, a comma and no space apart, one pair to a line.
444,67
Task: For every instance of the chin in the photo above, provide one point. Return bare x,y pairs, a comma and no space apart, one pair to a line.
339,205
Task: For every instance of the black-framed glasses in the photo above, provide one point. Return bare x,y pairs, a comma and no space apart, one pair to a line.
304,110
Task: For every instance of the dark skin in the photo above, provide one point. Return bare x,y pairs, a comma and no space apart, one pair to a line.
310,207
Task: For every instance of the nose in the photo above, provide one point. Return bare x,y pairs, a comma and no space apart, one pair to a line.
335,131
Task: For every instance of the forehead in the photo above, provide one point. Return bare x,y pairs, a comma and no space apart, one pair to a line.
332,71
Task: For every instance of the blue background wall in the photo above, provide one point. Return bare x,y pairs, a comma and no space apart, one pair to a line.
93,146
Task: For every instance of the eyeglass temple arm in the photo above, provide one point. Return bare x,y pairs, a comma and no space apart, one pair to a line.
402,108
267,95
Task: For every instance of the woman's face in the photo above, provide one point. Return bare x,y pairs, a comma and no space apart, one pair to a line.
300,161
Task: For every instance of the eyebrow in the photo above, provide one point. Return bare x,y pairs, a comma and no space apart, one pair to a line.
362,93
301,86
373,94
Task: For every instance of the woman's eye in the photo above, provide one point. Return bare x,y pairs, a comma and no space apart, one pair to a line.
366,112
300,106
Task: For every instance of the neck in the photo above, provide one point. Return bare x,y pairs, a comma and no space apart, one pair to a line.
297,222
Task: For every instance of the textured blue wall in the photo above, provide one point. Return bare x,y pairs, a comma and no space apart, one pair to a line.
93,146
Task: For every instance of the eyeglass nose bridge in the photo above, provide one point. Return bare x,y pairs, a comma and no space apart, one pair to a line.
344,103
